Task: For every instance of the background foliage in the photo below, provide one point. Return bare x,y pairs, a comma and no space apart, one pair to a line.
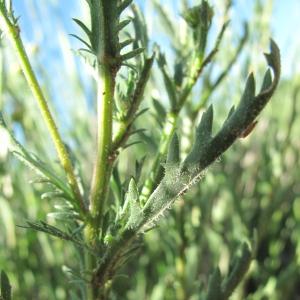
251,194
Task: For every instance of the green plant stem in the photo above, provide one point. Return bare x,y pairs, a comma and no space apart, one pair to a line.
103,167
14,35
124,125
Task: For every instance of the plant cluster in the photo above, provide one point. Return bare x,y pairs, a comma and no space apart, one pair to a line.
107,218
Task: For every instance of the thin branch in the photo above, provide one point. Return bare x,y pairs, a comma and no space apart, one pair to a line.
11,28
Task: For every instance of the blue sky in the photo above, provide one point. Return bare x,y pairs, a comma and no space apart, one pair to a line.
57,14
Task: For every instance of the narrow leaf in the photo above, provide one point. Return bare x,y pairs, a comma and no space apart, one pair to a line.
204,129
238,272
160,110
126,43
82,41
267,82
5,287
135,210
249,91
174,151
123,24
214,286
132,54
82,26
124,5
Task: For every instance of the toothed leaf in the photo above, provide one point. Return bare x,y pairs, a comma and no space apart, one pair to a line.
204,129
267,82
249,91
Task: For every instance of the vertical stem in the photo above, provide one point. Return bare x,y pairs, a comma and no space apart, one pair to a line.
14,35
102,168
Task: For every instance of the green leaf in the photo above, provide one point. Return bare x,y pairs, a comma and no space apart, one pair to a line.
168,81
249,91
54,231
126,43
273,58
202,138
214,286
132,54
267,82
52,195
124,4
123,24
5,286
135,210
138,167
140,27
41,168
199,16
204,130
83,27
239,270
82,41
160,111
173,157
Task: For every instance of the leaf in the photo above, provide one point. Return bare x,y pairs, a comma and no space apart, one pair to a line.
267,81
82,41
140,27
135,210
160,110
41,168
238,272
5,286
173,157
204,129
273,58
199,16
124,4
168,81
138,167
132,54
178,73
123,24
83,27
126,43
52,195
176,183
131,144
249,91
214,286
202,138
54,231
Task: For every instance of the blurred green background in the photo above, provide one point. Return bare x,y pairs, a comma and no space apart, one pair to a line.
253,190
